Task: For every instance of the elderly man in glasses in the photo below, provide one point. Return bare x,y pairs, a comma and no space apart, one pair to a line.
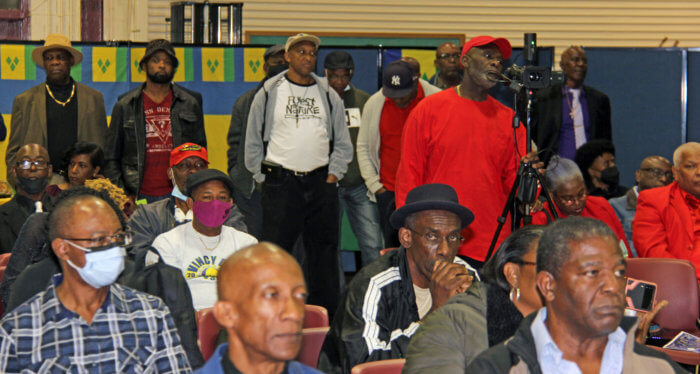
449,73
388,298
655,171
84,321
32,171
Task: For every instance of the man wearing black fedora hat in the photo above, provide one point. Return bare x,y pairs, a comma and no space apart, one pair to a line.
148,122
388,298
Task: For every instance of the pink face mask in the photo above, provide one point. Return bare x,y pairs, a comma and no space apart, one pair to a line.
211,213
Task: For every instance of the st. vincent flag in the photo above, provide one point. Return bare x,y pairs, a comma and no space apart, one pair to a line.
426,58
253,61
109,64
16,62
217,65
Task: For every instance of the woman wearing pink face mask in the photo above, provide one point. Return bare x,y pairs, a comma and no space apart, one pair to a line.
199,247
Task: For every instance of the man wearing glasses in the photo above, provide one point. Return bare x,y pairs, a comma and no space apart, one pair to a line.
388,298
655,171
153,219
32,172
665,224
83,321
449,73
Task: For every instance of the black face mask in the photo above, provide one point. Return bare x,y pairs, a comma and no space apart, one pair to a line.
276,69
32,186
610,176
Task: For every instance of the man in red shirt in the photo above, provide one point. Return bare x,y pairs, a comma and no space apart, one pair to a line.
464,138
148,122
667,221
379,139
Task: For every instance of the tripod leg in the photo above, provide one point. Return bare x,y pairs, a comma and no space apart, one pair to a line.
506,209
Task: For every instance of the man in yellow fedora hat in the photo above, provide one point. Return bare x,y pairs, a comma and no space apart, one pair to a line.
59,112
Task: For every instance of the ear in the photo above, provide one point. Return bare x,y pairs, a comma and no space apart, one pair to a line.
674,170
60,248
405,237
637,174
96,172
512,273
225,314
190,203
50,173
546,284
286,56
169,173
14,172
463,60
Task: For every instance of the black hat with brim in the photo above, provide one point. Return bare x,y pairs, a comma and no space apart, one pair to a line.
434,196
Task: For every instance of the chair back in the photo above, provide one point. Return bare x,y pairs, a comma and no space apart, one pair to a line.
4,259
311,343
315,316
380,367
676,282
207,332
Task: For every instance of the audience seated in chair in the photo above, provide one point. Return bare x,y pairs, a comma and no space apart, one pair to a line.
82,161
155,218
664,225
198,248
49,331
158,279
261,297
487,314
581,276
32,172
387,299
655,171
596,159
565,183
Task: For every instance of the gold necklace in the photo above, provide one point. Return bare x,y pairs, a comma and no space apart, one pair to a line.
62,103
205,246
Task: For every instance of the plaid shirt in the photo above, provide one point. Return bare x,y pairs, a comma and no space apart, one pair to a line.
132,332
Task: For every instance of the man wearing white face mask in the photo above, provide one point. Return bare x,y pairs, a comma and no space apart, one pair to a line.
153,219
199,247
79,323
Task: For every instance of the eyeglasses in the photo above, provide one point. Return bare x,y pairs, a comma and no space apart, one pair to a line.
658,173
435,239
120,238
184,166
27,164
449,56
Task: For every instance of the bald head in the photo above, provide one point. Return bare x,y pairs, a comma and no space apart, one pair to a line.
575,64
654,171
415,65
32,149
262,295
32,170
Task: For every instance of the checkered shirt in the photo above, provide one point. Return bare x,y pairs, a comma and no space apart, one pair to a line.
132,332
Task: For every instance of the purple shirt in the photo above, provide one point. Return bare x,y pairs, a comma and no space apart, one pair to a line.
567,142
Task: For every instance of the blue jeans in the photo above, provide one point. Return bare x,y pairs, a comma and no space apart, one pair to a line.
364,220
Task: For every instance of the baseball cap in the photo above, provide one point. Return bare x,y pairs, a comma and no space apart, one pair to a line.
338,60
206,175
187,150
301,37
397,80
275,49
477,41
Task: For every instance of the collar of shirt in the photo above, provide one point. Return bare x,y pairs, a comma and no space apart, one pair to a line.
551,359
636,191
565,89
692,201
181,217
229,368
62,312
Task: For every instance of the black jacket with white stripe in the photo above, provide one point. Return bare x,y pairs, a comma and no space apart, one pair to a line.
377,318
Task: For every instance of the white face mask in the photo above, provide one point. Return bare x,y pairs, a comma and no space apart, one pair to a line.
102,264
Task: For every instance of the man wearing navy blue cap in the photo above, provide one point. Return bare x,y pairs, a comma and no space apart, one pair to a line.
388,298
379,139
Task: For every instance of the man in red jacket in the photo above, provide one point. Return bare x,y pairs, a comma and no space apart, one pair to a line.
668,218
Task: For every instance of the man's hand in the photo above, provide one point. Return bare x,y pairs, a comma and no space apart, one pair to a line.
380,191
645,321
331,179
447,280
532,159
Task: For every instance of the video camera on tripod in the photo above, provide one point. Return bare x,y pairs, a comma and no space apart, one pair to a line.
531,76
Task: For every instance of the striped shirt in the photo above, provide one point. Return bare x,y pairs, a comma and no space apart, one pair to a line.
131,332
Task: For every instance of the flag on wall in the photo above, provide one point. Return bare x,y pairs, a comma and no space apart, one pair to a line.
217,65
109,64
253,60
77,70
137,75
16,62
426,58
